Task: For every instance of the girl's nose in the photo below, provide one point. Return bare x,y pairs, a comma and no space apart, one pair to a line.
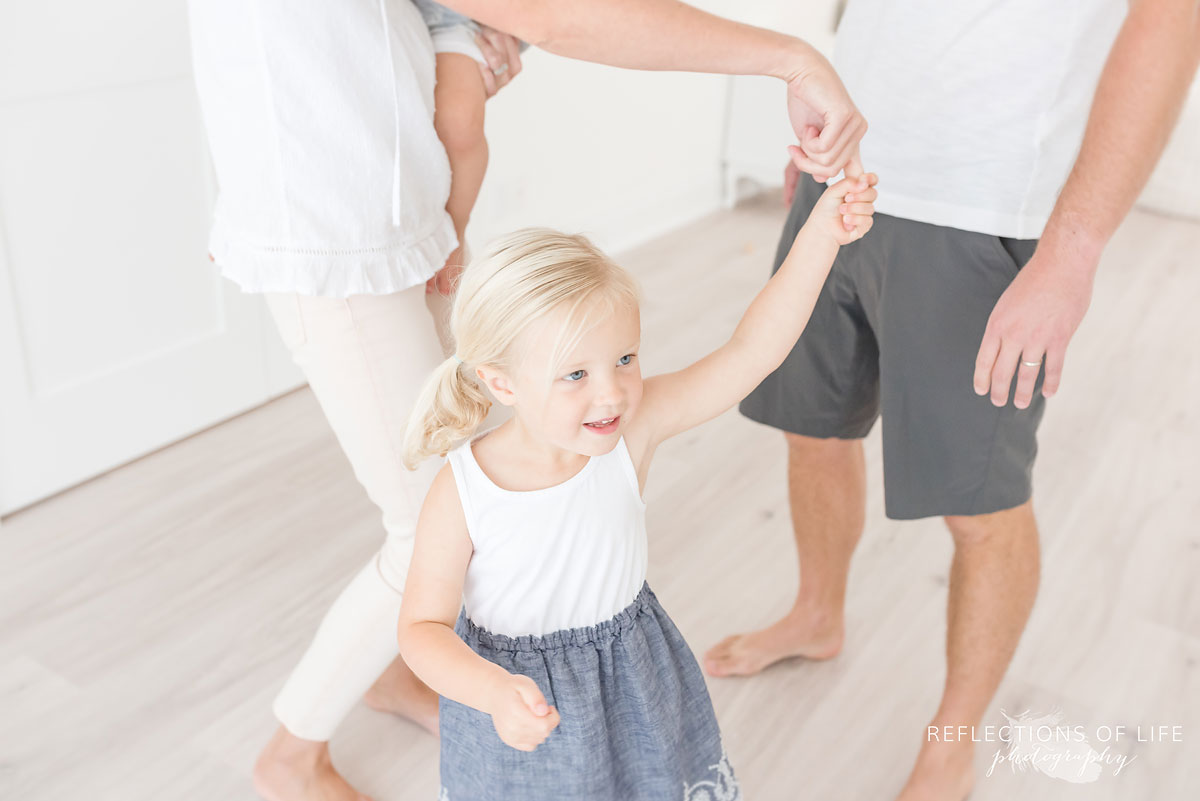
608,393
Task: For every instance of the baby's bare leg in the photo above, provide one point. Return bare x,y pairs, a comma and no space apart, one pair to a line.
458,117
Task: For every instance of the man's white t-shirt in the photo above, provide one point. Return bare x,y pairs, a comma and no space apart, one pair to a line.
976,107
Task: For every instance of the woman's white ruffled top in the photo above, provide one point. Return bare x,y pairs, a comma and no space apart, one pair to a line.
331,178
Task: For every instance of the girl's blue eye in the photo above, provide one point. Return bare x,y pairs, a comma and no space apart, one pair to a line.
626,359
575,376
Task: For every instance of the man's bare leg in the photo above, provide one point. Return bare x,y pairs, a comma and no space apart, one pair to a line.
292,769
827,494
993,583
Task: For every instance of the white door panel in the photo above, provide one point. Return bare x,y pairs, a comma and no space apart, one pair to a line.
105,213
116,334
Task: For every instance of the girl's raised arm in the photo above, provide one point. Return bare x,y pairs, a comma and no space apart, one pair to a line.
768,331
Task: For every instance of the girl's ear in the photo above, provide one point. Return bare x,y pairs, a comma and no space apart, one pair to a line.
497,383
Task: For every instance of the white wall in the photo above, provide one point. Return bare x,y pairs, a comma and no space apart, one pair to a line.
617,154
1174,188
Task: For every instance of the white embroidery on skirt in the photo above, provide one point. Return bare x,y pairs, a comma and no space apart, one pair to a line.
724,788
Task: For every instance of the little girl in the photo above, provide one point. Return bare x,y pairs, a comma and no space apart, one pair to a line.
562,677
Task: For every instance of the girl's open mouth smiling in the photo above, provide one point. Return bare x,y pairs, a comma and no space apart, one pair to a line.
606,426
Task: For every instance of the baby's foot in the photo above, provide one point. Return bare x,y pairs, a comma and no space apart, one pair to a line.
399,692
283,775
445,281
798,634
944,771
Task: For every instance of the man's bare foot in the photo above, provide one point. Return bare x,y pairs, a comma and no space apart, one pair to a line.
400,692
291,769
944,771
799,633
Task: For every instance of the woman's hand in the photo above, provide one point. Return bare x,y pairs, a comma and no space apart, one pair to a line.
503,55
520,713
826,121
846,210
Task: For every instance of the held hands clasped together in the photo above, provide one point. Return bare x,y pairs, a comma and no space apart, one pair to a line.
851,205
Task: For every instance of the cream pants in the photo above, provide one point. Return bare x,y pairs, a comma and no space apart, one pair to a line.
365,358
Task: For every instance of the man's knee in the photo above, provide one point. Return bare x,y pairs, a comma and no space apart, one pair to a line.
804,447
1010,525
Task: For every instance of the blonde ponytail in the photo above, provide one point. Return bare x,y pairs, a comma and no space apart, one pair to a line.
449,409
517,279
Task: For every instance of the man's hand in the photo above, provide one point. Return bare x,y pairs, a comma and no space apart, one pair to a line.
503,55
826,121
1033,321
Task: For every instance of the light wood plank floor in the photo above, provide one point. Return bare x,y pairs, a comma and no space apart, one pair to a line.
148,617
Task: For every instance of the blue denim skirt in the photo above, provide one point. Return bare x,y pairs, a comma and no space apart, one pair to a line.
636,721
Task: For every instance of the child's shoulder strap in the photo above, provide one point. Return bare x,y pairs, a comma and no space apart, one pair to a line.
463,467
627,467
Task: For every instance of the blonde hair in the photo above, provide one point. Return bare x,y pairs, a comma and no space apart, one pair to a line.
518,279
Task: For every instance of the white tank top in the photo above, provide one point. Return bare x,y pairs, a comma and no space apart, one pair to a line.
563,557
976,107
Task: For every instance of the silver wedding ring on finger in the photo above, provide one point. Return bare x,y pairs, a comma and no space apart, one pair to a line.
1031,364
498,71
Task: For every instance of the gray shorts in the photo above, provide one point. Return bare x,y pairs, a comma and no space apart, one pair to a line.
896,330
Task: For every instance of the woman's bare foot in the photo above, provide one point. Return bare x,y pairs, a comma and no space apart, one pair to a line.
944,771
291,769
400,692
799,633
